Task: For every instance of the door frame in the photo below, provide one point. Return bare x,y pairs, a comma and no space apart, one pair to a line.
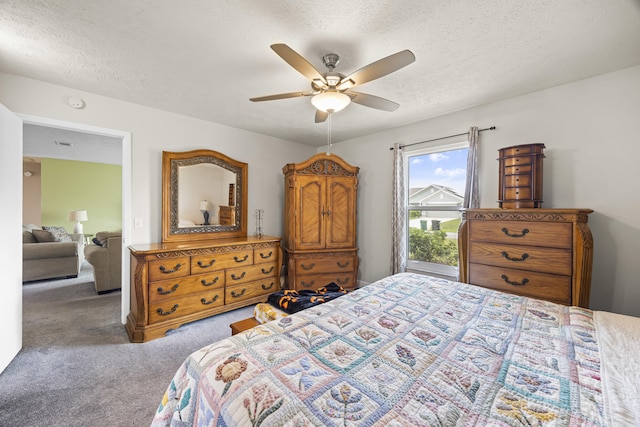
126,189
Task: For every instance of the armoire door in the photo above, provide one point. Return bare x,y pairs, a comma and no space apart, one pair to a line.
310,200
339,214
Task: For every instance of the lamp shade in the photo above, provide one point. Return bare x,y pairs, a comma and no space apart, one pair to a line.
204,205
77,216
330,101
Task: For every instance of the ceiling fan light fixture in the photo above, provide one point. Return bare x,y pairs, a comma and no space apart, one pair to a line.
330,101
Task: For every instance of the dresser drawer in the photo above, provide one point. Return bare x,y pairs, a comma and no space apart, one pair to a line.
518,169
517,180
518,161
518,150
546,234
219,261
532,258
251,289
517,193
168,289
325,265
168,268
315,281
265,255
234,276
183,306
527,283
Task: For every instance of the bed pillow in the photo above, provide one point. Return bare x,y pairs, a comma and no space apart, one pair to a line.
59,233
43,236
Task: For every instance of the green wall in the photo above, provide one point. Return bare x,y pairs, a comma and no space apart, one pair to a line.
94,187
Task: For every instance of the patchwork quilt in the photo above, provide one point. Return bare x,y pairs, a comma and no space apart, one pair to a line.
408,350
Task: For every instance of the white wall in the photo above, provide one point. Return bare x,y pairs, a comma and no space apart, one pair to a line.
592,150
154,131
587,127
11,249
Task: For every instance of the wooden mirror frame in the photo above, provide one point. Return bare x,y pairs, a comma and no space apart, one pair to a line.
171,161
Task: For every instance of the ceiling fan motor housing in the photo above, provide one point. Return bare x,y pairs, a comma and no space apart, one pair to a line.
330,60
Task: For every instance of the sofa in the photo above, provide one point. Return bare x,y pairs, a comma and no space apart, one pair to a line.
50,252
105,256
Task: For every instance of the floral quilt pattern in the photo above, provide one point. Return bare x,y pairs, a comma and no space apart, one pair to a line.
408,350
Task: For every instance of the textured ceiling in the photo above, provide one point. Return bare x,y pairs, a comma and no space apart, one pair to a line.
206,58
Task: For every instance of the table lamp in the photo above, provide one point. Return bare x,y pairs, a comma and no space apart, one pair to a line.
77,216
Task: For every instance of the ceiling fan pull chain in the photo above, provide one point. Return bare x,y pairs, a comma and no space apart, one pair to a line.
329,133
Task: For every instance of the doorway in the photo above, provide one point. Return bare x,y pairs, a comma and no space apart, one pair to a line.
125,139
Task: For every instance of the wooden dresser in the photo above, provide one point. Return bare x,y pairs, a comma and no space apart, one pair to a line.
540,253
176,283
320,223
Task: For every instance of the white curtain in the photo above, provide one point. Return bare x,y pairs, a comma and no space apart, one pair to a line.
398,219
471,189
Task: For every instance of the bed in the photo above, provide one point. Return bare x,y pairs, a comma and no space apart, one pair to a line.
412,350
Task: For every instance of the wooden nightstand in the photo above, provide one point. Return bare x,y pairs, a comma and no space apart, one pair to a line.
243,325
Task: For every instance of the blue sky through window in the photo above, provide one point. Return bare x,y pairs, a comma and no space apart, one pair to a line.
446,168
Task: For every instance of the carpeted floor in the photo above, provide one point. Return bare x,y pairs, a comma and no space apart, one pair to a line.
77,366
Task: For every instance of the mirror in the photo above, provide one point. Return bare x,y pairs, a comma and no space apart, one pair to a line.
204,196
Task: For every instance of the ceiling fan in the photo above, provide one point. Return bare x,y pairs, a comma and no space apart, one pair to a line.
332,91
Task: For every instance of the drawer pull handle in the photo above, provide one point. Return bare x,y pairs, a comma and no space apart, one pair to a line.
164,270
266,288
170,291
306,285
343,282
213,282
267,272
345,265
241,260
309,267
233,293
506,279
522,258
234,277
263,256
161,312
201,265
205,302
525,231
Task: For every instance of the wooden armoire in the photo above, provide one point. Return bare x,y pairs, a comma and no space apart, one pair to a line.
320,223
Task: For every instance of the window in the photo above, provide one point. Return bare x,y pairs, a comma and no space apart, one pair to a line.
436,179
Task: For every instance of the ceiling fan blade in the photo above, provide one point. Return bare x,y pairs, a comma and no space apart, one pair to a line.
294,59
281,96
377,69
373,101
321,116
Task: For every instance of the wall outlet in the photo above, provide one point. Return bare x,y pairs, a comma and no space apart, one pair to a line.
137,223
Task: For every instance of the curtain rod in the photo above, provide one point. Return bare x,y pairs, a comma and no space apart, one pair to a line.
443,137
